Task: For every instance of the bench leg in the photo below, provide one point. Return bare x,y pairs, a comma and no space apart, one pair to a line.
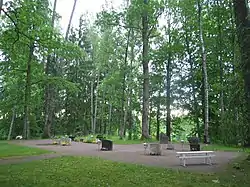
184,162
210,160
205,161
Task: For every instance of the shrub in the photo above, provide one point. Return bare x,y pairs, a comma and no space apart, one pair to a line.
101,137
90,139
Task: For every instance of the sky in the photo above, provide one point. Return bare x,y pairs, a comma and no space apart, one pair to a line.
64,8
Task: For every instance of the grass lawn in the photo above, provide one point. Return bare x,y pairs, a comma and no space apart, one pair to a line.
11,150
214,147
86,171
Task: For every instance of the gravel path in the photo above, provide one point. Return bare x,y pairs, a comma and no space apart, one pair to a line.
126,154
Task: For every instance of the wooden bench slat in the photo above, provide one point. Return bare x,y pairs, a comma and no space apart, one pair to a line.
190,152
199,156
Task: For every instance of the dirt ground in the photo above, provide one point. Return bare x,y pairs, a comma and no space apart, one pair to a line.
128,154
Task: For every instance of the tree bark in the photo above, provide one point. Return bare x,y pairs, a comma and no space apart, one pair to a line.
158,117
150,115
95,109
92,105
110,119
49,91
1,6
70,20
130,89
168,86
242,14
27,94
124,101
204,73
145,61
12,123
168,100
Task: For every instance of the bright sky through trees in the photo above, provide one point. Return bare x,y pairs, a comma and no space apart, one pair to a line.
64,8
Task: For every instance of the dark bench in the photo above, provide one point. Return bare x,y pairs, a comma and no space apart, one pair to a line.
107,145
194,144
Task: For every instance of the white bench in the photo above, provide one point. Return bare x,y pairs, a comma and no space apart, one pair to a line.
207,155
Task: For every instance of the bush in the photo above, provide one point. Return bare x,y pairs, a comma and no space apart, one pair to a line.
248,158
101,137
78,138
90,139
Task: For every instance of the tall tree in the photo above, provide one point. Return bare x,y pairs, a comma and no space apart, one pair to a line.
168,81
49,90
27,92
70,20
242,13
145,61
204,73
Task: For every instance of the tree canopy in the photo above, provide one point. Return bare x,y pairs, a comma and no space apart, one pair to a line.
180,67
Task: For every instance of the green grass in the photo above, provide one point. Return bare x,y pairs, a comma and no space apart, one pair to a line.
86,171
214,147
12,150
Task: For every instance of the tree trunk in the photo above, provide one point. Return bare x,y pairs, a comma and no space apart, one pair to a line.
12,123
125,118
70,20
96,101
145,61
150,116
158,117
27,95
102,112
130,125
204,73
1,6
130,90
168,86
234,53
124,101
168,99
242,14
195,103
110,115
49,91
92,105
219,56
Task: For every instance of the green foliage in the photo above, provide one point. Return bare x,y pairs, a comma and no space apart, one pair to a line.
95,77
182,128
90,139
